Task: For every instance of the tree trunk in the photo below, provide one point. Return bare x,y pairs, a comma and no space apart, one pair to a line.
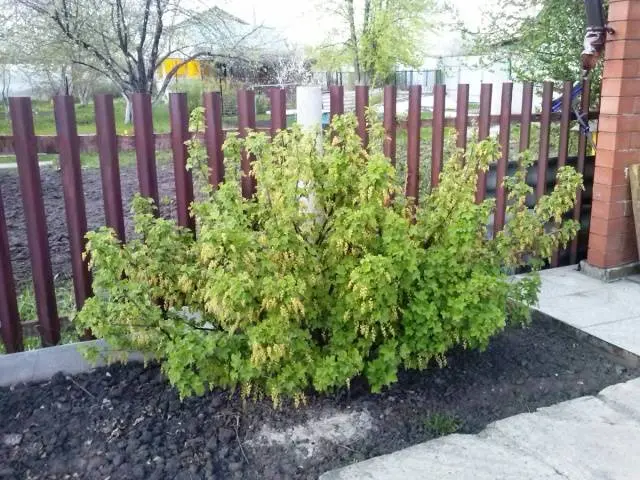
354,40
128,112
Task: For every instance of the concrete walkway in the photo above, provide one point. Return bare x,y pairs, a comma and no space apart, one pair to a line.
589,438
609,312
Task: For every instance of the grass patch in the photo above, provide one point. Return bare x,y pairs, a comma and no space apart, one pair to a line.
44,121
439,424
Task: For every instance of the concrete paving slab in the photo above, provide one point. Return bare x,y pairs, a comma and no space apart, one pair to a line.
624,334
624,397
588,438
582,445
455,457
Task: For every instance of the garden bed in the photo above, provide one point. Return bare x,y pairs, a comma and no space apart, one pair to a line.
126,422
51,181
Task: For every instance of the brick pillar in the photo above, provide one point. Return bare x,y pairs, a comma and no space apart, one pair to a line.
612,240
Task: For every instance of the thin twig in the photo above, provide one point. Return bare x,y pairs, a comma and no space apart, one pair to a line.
81,387
238,439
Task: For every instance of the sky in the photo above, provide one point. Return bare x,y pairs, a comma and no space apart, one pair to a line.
298,20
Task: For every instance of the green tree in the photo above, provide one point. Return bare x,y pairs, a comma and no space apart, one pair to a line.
375,36
541,39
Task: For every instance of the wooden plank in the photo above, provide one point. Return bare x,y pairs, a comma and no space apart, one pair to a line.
10,326
37,234
107,145
484,121
362,103
336,100
437,133
543,153
413,143
462,114
278,98
179,117
214,136
74,205
525,117
582,153
503,161
247,122
145,148
390,123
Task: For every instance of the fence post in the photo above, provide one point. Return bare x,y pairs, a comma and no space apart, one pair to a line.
582,153
484,125
145,148
247,121
390,123
68,145
525,118
278,98
336,100
362,102
107,143
11,328
503,161
543,153
437,133
214,136
179,113
413,143
462,113
25,145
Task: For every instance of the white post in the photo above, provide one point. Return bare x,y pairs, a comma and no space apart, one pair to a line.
309,107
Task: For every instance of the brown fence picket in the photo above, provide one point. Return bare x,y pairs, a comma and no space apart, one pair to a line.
462,114
214,136
484,124
145,148
74,205
37,235
525,116
437,133
107,145
10,326
390,122
179,115
362,102
278,98
563,149
582,153
543,153
336,100
503,161
246,122
413,143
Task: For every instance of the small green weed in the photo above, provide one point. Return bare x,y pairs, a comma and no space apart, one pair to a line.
440,424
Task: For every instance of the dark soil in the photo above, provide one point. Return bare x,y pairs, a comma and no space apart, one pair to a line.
125,422
51,182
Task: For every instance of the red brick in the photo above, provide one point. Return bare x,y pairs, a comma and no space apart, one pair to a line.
621,49
611,210
615,68
610,176
624,10
619,123
599,258
625,30
610,158
621,87
604,227
611,194
614,105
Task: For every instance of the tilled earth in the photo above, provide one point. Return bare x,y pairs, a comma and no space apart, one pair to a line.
51,182
126,422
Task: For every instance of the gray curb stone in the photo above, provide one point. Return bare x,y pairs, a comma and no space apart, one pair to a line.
43,363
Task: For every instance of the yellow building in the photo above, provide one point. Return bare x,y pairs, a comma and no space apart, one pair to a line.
192,70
